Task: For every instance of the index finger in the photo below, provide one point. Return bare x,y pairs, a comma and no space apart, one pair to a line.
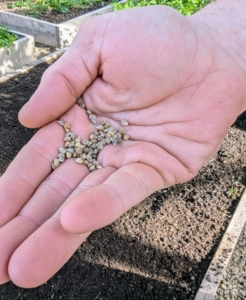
33,163
62,83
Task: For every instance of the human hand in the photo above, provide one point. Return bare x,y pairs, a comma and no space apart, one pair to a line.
161,72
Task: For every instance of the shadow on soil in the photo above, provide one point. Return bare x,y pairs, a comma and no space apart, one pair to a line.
83,279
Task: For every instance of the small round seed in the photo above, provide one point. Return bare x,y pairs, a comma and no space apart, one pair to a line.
78,151
93,119
67,144
86,150
68,154
62,123
114,142
77,145
126,137
106,125
71,144
83,156
67,130
85,162
72,135
67,139
56,163
92,136
89,158
92,168
78,139
122,131
79,160
61,155
88,112
61,159
62,150
100,127
71,150
123,122
67,125
85,142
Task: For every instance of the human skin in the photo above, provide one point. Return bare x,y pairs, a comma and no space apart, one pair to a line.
180,84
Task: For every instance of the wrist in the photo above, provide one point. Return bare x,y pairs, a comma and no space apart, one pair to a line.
227,26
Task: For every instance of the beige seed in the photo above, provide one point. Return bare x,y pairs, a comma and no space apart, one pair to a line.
106,125
126,137
93,118
83,156
92,136
92,168
123,122
62,123
77,145
68,154
78,151
67,144
79,160
78,139
67,130
100,127
85,162
67,125
122,131
56,163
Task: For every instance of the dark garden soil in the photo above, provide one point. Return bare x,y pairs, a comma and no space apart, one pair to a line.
52,15
158,250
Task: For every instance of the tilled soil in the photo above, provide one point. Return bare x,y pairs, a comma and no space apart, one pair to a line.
53,15
159,249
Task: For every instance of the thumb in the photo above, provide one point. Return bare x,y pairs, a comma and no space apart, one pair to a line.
63,82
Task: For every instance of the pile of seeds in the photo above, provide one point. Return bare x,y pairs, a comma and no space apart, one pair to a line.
86,151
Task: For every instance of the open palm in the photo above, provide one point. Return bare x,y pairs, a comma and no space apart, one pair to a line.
163,73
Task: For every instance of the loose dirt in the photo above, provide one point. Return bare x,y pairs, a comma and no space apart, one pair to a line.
52,15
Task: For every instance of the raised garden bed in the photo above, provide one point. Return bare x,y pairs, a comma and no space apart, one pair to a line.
160,249
48,32
20,54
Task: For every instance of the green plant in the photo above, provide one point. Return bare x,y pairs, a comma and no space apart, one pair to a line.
6,38
234,192
186,7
